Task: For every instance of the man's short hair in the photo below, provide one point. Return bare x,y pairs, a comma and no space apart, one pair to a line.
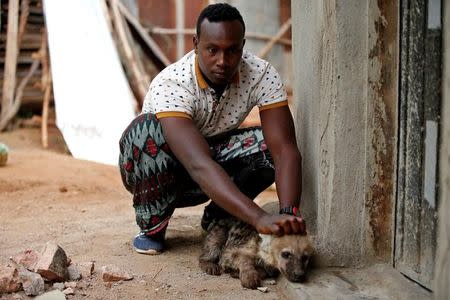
219,12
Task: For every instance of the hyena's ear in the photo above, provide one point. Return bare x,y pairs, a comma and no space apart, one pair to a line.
266,240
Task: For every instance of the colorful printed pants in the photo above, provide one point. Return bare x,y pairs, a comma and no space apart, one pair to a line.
159,183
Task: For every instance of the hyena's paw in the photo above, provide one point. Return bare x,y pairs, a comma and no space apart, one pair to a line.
210,268
250,279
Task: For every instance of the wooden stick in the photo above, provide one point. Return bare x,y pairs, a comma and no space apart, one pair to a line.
24,12
18,99
192,31
143,80
278,36
12,52
144,35
131,60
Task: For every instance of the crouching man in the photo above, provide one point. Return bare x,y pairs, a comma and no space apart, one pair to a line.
185,148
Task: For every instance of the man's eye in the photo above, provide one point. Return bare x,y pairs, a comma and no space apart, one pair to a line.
212,50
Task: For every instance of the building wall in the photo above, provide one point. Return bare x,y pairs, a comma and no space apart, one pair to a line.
442,268
345,79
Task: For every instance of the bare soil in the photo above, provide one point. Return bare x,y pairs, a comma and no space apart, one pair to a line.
47,195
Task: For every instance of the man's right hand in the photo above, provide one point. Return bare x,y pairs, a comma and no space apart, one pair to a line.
280,225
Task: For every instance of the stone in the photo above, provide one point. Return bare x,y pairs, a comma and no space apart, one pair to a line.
9,280
59,286
70,284
69,291
52,295
113,273
52,264
32,283
27,259
263,289
86,268
74,273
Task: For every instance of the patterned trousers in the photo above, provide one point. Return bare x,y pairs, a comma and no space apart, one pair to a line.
159,183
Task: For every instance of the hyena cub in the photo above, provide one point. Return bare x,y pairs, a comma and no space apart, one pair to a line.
233,247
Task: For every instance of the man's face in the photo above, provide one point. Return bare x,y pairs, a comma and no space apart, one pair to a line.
219,50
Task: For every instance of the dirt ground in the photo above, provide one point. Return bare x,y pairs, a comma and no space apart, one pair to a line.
46,195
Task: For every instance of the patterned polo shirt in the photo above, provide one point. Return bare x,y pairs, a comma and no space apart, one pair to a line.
180,90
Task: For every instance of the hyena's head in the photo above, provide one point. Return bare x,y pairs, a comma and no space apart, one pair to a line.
290,254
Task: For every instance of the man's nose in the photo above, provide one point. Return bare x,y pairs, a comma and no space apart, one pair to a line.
221,59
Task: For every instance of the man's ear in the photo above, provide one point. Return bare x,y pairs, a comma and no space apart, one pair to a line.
195,42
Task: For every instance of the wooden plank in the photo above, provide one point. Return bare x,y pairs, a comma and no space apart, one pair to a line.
11,60
442,267
415,240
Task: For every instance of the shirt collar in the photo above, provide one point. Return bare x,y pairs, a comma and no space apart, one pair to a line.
201,80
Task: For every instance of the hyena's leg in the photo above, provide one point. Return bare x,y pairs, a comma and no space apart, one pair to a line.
212,248
267,271
248,274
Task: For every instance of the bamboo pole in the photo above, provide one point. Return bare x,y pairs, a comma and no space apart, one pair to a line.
12,52
191,31
278,36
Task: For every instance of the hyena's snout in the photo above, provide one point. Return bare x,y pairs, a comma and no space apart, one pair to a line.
296,270
299,276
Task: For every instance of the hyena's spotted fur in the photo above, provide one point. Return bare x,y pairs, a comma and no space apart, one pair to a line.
231,246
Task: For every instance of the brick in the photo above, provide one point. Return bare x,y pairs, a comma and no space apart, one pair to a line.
113,273
9,280
52,264
27,259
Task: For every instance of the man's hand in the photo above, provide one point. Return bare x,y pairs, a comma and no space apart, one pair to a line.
280,225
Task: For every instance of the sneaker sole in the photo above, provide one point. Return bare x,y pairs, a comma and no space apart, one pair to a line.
147,252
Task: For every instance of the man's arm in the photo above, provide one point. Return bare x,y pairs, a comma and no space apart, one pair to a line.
279,134
192,151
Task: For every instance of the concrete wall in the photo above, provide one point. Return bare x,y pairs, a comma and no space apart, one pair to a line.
345,58
442,269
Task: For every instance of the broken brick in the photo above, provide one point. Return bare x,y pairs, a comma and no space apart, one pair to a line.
52,264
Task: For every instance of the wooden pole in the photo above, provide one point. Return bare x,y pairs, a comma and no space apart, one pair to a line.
18,98
45,105
131,60
278,36
191,31
12,51
46,86
144,35
24,12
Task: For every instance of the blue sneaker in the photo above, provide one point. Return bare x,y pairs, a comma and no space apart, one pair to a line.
150,245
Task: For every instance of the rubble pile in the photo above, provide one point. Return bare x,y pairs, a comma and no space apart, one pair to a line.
51,273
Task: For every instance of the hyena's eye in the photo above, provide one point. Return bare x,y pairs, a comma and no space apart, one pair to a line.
286,254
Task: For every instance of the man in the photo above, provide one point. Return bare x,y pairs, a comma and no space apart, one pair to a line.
185,147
